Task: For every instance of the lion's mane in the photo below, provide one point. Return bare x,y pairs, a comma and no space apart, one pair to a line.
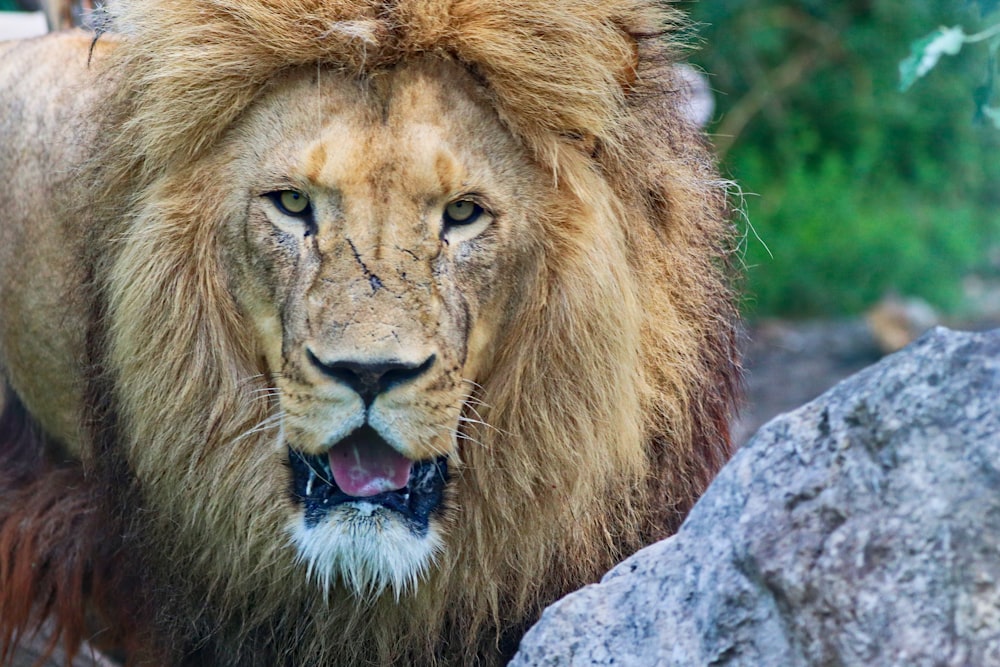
607,407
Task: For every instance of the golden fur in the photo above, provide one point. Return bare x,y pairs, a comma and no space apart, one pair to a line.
582,339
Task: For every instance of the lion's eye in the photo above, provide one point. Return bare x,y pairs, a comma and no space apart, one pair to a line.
463,220
291,202
462,212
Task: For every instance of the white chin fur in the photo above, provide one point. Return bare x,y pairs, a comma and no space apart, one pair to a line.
366,548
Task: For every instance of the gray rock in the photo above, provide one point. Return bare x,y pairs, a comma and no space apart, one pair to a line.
862,529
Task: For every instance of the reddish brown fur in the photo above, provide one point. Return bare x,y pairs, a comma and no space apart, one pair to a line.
58,557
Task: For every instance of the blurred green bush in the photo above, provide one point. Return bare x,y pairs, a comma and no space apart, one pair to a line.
854,188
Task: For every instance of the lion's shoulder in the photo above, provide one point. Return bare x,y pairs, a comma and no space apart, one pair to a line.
49,94
48,86
49,64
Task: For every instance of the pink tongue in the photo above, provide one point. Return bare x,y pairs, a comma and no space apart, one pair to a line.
364,465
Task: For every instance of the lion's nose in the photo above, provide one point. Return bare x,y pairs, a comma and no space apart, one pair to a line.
371,378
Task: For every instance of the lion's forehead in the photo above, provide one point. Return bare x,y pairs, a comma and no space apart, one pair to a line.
371,168
421,131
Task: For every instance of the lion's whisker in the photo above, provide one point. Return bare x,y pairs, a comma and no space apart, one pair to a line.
458,434
267,391
472,382
252,379
473,410
468,438
473,397
470,420
462,419
272,421
474,403
313,470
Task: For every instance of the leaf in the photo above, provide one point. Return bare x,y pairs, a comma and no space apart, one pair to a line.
926,51
993,113
983,94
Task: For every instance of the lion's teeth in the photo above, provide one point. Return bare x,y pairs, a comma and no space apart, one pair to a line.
309,484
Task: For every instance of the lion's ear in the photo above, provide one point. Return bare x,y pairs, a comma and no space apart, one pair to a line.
585,142
628,74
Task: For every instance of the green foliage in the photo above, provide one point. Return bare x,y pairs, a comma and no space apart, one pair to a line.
834,247
926,51
987,6
859,189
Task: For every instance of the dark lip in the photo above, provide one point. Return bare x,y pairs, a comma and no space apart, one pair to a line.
415,503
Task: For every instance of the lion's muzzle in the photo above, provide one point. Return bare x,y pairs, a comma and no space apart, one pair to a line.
366,468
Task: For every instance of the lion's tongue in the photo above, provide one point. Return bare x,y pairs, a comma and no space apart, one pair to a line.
364,465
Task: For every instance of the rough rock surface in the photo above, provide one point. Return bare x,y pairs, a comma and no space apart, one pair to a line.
861,530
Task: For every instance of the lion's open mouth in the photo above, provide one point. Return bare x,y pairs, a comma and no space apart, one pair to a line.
363,468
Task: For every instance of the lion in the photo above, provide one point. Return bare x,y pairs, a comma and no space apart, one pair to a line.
350,332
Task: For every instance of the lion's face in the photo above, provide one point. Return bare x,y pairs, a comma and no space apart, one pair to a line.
386,224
